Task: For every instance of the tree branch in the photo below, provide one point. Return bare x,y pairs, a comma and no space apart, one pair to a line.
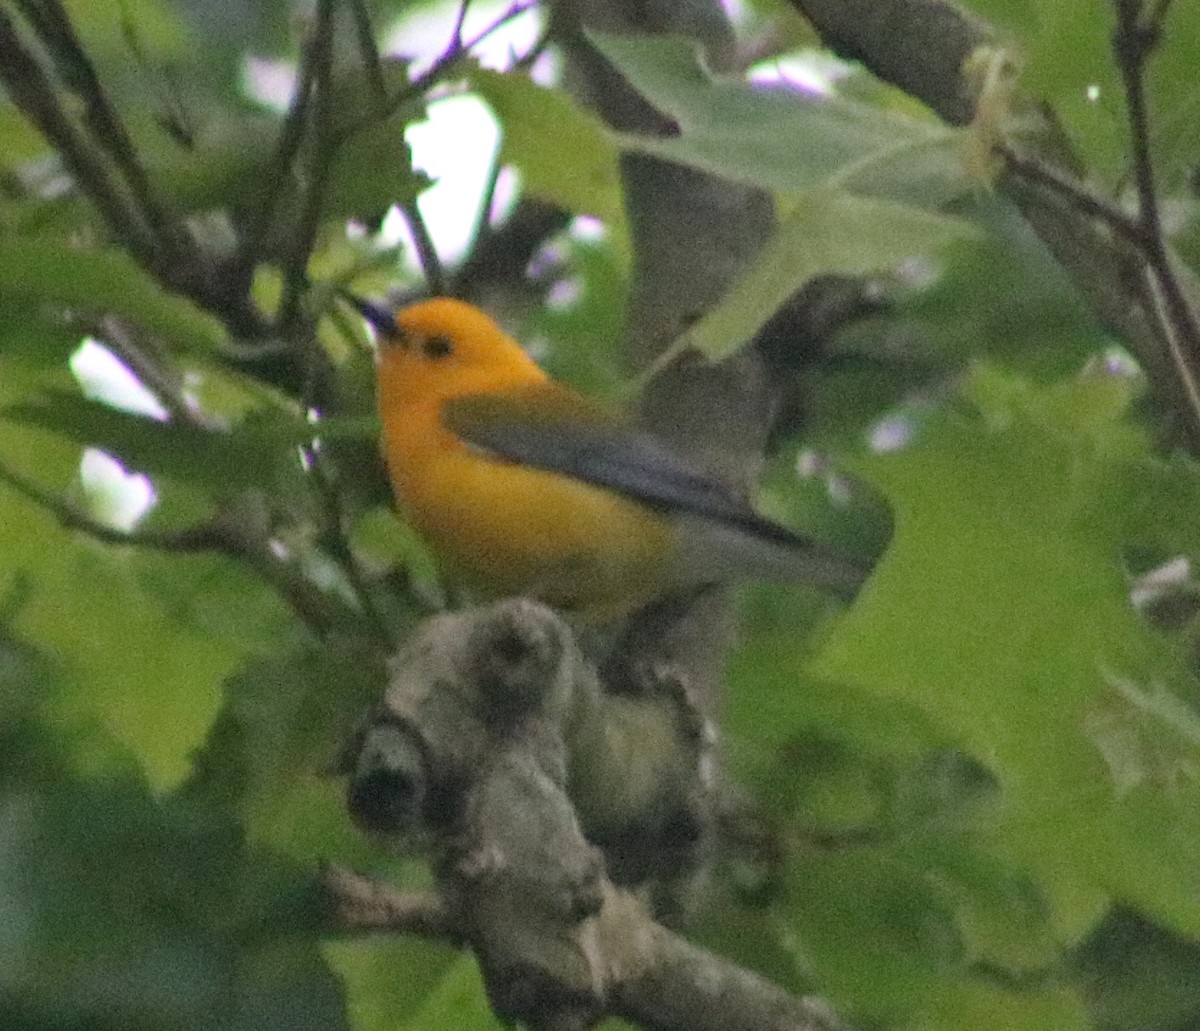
108,131
338,544
1122,266
205,536
211,281
33,93
364,33
277,176
1134,42
358,903
920,46
304,233
155,372
496,750
427,255
240,530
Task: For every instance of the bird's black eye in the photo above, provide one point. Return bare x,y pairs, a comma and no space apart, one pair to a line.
436,347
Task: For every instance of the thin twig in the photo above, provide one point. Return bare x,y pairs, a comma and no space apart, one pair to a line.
460,20
1134,42
364,32
205,536
295,278
278,173
361,903
295,283
108,131
1074,192
339,546
427,255
155,373
1158,16
228,533
482,227
454,54
31,90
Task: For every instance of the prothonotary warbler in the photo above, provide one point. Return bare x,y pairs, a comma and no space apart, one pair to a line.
521,486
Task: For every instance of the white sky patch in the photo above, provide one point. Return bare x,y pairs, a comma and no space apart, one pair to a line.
424,34
892,433
807,70
117,498
564,294
455,147
546,69
269,81
508,189
102,376
1092,93
736,11
587,229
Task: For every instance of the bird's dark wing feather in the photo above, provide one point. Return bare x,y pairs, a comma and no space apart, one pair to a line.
549,428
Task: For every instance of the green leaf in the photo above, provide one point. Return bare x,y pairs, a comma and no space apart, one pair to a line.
827,232
134,664
781,139
252,453
282,724
580,171
879,927
1024,649
373,168
128,912
379,1000
459,1002
969,312
104,282
220,167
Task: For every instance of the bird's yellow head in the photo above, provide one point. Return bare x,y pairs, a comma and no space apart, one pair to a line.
442,348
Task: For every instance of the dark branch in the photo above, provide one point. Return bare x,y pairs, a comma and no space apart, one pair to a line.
364,33
456,52
108,131
460,19
277,176
1121,264
337,542
921,46
154,372
33,93
1134,42
304,233
1039,173
201,537
427,255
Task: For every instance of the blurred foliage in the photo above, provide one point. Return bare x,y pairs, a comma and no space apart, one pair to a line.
983,779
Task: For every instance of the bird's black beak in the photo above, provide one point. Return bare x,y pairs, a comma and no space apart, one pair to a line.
381,318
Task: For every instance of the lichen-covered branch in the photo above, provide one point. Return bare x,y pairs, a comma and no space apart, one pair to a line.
497,752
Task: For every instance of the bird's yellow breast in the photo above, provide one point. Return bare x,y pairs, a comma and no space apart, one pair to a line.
512,529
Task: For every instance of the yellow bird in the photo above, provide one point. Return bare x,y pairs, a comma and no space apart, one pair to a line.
522,486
